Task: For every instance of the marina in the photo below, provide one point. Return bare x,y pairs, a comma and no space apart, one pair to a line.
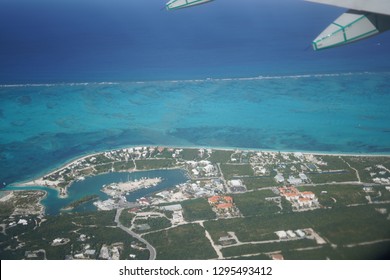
93,186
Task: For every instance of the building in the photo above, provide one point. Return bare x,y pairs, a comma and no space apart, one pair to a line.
299,200
279,178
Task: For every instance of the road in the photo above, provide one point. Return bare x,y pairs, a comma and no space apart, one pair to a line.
152,250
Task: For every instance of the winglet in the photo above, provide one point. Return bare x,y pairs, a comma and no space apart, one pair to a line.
349,27
179,4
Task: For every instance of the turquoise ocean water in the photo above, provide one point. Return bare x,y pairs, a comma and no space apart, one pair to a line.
44,126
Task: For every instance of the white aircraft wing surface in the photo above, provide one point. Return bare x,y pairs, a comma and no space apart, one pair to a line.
364,19
179,4
373,6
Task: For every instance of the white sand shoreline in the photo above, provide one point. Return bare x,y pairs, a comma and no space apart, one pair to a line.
45,183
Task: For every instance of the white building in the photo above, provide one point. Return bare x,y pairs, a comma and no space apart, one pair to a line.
279,178
281,234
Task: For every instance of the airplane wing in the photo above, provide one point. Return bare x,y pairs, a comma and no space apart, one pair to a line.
364,19
178,4
373,6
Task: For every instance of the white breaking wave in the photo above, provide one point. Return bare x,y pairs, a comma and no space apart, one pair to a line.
57,84
303,76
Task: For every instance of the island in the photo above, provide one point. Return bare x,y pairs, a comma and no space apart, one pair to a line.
236,204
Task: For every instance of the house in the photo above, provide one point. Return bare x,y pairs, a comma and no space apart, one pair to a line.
224,205
279,178
307,194
281,234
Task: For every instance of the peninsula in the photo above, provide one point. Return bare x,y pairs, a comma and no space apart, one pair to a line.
236,204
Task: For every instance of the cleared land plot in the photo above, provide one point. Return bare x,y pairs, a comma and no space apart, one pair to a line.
197,209
254,203
187,242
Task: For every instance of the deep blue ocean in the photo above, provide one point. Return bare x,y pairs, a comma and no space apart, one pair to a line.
85,76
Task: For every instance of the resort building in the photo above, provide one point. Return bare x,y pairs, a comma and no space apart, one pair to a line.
300,200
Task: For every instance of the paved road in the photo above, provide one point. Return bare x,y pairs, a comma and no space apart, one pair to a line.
152,250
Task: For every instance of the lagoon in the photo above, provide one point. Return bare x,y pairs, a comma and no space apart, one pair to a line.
92,186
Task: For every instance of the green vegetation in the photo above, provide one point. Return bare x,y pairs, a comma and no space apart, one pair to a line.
85,199
197,209
349,225
101,158
254,203
343,225
337,195
344,176
361,163
334,163
259,182
316,253
190,154
123,165
380,193
266,247
187,242
155,223
353,219
6,209
235,170
375,251
103,168
220,156
125,218
148,164
256,228
263,257
96,227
